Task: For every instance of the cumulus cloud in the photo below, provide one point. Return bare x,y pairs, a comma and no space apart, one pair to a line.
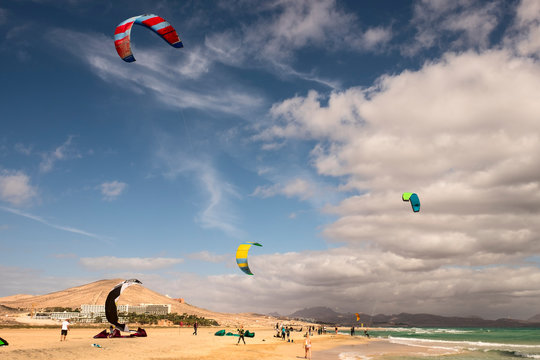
451,123
524,36
462,132
140,264
16,187
112,189
364,280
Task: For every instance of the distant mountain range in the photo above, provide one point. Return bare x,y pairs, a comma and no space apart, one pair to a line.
326,315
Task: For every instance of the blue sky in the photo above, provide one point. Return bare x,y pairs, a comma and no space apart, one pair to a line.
296,124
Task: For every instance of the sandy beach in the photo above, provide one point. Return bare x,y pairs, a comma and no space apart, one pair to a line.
162,343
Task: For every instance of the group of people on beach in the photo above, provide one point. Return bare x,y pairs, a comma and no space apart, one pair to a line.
284,331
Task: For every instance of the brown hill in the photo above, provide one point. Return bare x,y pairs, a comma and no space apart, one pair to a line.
96,293
16,297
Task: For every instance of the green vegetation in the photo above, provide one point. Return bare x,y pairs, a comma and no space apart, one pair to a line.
59,309
174,317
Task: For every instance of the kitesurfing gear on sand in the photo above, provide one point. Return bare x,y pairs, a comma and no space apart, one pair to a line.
117,334
242,254
110,304
122,34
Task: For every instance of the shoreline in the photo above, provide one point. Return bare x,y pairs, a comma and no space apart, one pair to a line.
377,347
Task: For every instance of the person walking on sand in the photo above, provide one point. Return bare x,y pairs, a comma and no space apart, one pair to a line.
195,325
65,328
352,331
307,346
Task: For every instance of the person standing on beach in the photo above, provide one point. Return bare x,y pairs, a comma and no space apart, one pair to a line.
307,346
65,328
241,334
352,331
195,325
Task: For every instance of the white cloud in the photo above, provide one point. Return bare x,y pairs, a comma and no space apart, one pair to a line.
376,37
218,211
15,187
463,23
361,279
65,256
524,36
48,223
300,188
211,257
62,152
462,132
138,264
168,77
215,215
112,189
19,280
283,27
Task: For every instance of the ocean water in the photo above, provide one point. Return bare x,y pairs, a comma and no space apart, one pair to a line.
447,343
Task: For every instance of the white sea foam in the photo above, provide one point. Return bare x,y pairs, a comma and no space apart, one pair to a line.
353,356
461,345
428,331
